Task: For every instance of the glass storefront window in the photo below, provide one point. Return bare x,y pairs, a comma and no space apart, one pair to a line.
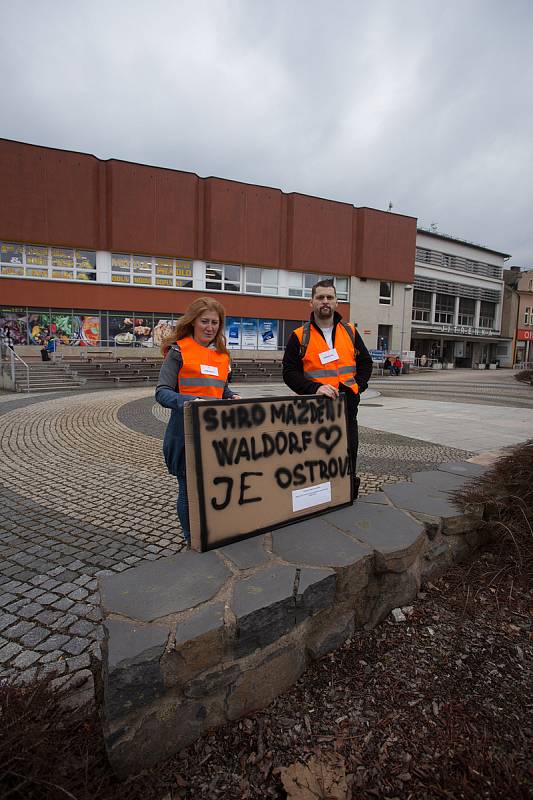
36,255
253,279
121,329
62,258
62,326
487,312
38,326
164,266
11,270
232,278
341,286
11,253
385,293
85,259
467,308
213,277
16,323
142,264
421,306
184,274
444,308
295,284
120,263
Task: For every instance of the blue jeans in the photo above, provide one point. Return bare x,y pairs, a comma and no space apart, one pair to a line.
182,507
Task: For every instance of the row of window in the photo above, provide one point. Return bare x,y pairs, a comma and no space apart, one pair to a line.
438,259
180,273
36,261
445,310
59,263
21,326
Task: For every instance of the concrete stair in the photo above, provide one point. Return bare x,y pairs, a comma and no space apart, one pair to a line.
99,372
106,370
44,377
256,371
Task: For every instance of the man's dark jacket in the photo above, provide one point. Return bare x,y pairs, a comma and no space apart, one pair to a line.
293,372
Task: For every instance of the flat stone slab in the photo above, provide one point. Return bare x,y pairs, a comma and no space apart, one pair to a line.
202,621
463,468
315,591
247,553
386,530
133,676
421,500
317,543
375,497
443,481
129,644
264,606
158,588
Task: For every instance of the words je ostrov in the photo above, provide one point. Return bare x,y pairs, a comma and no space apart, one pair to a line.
314,423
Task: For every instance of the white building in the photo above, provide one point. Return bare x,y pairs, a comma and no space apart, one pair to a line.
457,302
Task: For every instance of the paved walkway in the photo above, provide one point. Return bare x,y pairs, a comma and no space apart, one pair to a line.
84,490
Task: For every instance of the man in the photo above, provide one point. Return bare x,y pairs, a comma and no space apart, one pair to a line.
333,362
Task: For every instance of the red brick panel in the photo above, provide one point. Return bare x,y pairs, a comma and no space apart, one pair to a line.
92,296
242,223
319,235
48,196
386,245
152,211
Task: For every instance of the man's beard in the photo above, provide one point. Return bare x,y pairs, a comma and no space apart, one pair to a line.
325,314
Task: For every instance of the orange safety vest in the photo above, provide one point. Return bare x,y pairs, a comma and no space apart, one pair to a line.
204,371
341,370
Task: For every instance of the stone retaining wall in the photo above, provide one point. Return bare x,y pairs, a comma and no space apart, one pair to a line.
198,639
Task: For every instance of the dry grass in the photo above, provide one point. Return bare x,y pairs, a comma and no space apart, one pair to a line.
506,491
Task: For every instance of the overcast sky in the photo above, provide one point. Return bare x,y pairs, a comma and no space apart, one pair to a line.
424,104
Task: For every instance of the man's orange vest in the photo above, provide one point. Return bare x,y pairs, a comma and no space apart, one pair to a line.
204,371
342,370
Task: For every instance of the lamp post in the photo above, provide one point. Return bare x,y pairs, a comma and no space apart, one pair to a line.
407,288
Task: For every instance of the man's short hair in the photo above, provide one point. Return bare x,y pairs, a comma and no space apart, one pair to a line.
327,283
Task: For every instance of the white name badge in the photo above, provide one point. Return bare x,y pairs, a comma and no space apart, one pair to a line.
328,355
205,369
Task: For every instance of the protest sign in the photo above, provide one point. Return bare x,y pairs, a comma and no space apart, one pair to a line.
255,465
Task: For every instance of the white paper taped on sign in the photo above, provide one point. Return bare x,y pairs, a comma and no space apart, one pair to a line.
311,496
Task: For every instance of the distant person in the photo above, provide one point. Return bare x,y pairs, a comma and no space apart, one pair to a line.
387,364
45,354
196,367
52,347
7,336
397,365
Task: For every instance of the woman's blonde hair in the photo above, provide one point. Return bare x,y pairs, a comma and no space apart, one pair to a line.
185,324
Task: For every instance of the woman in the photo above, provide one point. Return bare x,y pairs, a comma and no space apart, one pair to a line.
196,367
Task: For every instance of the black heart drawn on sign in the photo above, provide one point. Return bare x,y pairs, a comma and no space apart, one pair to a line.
328,438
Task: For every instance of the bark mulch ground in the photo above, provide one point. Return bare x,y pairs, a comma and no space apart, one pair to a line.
435,706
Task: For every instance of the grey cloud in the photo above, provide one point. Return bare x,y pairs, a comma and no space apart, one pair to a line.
422,103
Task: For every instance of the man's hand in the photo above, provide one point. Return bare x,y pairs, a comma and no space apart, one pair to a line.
329,391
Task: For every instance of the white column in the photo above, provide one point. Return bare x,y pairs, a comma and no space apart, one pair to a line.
476,313
433,304
103,266
498,317
456,311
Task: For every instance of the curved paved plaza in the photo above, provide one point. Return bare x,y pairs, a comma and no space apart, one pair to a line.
84,489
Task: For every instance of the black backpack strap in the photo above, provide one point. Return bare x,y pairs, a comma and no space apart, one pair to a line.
349,330
306,333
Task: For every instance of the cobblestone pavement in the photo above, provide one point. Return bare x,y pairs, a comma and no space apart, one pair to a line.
84,490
